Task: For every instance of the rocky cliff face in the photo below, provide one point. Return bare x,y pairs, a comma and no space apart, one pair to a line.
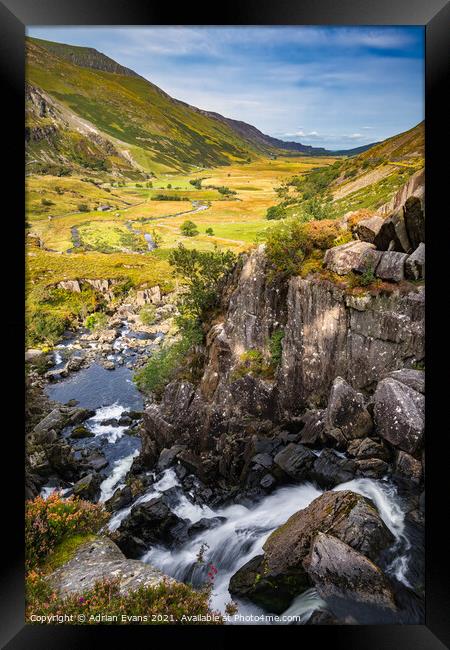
328,333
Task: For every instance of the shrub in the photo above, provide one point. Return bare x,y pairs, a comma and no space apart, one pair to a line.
147,314
45,327
46,202
49,521
290,242
209,231
276,212
202,271
164,604
276,346
97,320
188,228
252,362
83,207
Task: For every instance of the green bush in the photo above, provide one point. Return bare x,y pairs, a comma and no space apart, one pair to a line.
188,228
276,346
290,242
276,212
209,231
83,207
49,521
167,603
97,320
147,314
45,327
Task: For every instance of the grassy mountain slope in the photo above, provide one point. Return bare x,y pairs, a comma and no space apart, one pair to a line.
367,180
155,131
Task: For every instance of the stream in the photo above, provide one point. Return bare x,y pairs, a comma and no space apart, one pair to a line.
244,529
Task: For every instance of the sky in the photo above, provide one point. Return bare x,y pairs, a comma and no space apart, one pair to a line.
333,87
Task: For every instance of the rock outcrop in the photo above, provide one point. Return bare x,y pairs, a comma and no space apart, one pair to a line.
101,559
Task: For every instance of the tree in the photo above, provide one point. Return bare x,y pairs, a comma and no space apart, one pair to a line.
188,228
276,212
209,231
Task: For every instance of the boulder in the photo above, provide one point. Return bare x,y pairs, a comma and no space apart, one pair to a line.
393,235
346,411
415,264
414,220
367,229
75,363
57,373
101,559
272,580
313,422
369,261
121,498
81,432
88,487
409,467
399,415
392,266
329,469
295,461
367,448
342,259
168,456
354,588
205,523
372,468
146,296
415,379
150,523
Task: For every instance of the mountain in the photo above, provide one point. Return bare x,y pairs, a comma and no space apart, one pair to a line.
85,111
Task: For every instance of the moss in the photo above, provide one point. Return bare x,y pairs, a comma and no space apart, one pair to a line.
65,551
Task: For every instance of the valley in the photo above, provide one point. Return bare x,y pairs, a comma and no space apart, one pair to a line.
224,360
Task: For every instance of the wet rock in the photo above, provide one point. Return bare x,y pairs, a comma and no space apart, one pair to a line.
75,363
295,461
57,373
150,523
353,586
342,259
415,264
94,460
100,560
409,467
415,379
392,266
399,415
367,229
205,523
272,580
121,498
264,460
88,487
81,432
267,482
108,336
414,220
346,411
168,456
330,470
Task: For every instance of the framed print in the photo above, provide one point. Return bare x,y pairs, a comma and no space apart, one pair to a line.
227,426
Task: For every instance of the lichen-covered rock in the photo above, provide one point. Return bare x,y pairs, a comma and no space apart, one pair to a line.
409,467
353,587
369,261
415,379
342,259
88,487
368,229
346,411
101,559
415,264
399,415
121,498
391,266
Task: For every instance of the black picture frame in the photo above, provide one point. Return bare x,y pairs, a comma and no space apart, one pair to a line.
435,16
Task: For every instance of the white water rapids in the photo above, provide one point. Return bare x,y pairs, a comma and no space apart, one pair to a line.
242,535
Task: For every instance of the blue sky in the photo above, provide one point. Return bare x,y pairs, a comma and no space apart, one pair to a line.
335,87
